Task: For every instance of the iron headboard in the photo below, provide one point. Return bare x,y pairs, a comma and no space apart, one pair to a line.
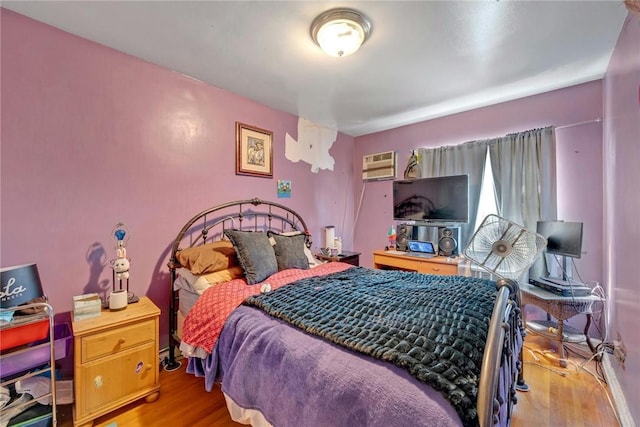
209,225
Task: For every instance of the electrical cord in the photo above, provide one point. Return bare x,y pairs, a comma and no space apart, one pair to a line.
599,292
596,290
357,216
575,269
552,357
605,347
600,378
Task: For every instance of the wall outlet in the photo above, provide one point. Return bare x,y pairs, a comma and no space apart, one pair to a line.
619,350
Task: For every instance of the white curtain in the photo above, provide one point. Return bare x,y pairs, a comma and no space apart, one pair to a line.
460,159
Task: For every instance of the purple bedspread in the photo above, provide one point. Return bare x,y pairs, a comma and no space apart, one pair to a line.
296,379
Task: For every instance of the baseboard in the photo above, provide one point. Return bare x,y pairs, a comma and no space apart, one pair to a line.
619,401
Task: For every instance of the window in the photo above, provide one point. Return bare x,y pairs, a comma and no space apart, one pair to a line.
487,204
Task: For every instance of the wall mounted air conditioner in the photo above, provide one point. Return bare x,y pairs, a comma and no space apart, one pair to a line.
379,166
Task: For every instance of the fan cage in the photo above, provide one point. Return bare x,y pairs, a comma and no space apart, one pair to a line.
526,247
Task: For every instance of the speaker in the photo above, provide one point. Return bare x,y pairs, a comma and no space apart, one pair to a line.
448,240
402,235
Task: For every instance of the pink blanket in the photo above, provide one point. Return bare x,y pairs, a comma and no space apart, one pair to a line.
204,321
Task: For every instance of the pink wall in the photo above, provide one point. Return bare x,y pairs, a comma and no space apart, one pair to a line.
91,136
622,208
579,177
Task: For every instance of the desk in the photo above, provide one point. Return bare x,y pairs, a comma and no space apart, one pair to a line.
396,260
561,308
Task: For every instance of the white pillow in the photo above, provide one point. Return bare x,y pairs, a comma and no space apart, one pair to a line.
200,283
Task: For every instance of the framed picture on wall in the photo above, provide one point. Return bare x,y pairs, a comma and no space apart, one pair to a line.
254,151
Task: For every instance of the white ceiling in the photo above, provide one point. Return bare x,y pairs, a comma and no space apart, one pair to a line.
424,59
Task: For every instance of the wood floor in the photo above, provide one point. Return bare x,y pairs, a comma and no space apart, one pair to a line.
557,397
561,396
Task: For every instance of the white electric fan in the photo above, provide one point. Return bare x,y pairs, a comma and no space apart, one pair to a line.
503,247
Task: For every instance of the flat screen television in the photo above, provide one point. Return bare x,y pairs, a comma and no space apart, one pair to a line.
563,237
442,199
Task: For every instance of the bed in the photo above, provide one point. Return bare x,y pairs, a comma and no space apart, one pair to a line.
295,342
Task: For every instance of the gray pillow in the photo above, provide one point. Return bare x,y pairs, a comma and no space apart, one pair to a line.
255,254
289,251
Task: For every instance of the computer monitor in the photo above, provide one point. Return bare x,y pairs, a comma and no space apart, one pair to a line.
564,238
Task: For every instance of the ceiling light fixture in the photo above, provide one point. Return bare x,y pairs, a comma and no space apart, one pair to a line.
340,31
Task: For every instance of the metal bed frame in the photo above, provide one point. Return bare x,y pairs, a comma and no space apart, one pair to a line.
209,225
503,349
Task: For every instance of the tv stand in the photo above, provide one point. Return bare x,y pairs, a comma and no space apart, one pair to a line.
395,260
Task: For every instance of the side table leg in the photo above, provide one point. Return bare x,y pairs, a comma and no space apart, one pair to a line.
563,358
587,337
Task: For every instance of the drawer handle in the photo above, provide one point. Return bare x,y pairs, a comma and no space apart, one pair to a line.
149,367
121,341
436,269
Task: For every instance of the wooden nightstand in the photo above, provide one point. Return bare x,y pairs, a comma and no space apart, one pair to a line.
115,360
352,258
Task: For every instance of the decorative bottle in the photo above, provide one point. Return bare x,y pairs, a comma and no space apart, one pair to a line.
338,244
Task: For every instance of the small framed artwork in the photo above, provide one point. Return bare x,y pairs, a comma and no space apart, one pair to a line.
284,188
254,151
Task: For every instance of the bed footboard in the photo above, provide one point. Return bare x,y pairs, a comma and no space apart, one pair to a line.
502,364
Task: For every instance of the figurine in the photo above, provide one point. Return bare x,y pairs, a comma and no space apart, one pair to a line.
121,268
121,263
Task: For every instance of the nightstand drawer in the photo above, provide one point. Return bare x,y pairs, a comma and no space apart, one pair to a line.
117,340
109,382
437,268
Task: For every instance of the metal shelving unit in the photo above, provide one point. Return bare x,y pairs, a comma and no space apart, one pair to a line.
28,355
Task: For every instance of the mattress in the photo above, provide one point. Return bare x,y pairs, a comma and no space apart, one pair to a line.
187,300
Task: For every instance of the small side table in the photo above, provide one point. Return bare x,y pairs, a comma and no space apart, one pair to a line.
115,360
561,308
352,258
